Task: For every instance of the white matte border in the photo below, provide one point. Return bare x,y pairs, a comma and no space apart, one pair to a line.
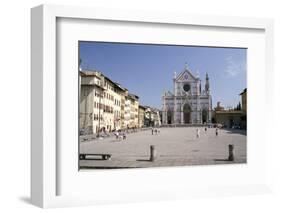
47,146
153,180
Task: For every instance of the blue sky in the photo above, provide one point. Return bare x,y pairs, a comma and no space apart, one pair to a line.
147,70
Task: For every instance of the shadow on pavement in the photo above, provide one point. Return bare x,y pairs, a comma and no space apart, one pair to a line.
144,160
25,200
223,160
236,131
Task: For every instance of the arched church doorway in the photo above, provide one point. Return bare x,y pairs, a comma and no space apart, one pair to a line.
169,116
204,116
186,113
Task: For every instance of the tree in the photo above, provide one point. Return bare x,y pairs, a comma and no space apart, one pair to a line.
239,106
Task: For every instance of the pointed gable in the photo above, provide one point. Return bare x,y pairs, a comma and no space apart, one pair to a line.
185,75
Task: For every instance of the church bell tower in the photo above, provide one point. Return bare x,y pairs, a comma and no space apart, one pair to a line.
207,84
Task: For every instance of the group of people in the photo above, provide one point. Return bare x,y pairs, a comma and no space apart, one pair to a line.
198,132
120,135
155,131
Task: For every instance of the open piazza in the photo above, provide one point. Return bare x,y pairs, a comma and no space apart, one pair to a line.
177,146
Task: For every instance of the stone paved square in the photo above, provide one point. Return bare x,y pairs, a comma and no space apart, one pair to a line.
174,147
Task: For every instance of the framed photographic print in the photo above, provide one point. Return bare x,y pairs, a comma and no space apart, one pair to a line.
153,127
130,106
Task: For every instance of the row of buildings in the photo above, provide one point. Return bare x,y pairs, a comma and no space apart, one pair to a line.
106,106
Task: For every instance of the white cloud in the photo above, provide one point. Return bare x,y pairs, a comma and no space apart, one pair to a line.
233,68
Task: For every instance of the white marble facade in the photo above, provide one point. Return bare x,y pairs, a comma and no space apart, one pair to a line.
189,103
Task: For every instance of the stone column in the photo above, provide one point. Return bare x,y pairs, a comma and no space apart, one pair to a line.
182,121
198,113
175,101
164,117
210,110
210,115
164,112
199,120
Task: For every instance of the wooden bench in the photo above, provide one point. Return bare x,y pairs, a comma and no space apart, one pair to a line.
103,156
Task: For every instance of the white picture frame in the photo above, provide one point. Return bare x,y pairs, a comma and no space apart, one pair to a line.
45,169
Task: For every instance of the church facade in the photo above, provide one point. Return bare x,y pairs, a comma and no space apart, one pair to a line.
188,103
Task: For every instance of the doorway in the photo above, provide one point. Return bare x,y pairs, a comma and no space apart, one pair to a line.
204,116
169,116
186,113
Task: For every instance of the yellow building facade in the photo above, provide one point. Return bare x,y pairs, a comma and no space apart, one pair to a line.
141,116
105,105
100,103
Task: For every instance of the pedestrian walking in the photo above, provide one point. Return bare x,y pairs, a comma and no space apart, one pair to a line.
155,131
205,129
217,131
124,135
198,133
116,135
152,130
